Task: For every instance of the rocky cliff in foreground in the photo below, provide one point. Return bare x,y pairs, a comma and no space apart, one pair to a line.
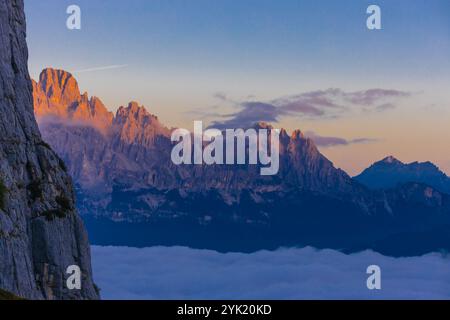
40,231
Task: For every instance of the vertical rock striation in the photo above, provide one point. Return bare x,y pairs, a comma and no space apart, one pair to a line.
40,231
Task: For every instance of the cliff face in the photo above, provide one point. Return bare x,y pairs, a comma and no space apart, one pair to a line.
40,231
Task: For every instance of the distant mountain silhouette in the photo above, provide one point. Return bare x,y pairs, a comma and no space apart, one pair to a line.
130,192
390,172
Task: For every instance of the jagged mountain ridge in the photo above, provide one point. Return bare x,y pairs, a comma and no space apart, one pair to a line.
41,233
126,150
390,172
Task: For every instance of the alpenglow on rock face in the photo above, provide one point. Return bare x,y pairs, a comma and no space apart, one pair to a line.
40,231
57,96
134,147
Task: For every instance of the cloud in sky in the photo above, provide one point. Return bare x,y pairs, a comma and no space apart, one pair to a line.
323,141
330,103
373,96
221,96
385,106
250,111
183,273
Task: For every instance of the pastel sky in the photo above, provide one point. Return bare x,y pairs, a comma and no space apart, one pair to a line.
304,64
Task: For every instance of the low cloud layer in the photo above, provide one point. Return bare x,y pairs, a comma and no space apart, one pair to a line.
328,103
183,273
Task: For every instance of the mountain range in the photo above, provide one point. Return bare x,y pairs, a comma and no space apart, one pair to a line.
390,172
130,193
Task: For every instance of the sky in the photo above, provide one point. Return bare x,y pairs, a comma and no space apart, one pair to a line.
307,273
310,65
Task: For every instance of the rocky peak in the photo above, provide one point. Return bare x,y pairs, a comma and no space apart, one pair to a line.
134,113
137,126
390,160
263,125
57,98
59,86
297,135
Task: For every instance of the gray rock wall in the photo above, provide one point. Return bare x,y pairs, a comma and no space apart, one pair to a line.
40,231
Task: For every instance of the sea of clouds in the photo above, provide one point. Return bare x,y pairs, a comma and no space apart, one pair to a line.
184,273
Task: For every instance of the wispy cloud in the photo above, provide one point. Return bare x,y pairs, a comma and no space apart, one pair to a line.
323,141
384,107
102,68
250,113
221,96
374,96
330,103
